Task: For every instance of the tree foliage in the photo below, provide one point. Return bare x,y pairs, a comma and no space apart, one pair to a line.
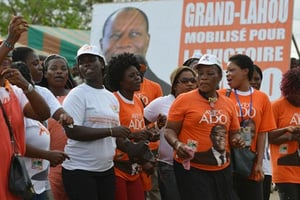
74,14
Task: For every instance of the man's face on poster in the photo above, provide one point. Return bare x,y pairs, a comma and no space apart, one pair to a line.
218,138
126,31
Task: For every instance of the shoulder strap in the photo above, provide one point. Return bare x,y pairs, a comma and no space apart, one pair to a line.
228,92
12,138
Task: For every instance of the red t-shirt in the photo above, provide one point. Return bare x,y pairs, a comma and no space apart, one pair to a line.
15,114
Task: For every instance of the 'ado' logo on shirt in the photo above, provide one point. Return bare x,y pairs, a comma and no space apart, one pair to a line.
136,122
216,116
295,119
247,113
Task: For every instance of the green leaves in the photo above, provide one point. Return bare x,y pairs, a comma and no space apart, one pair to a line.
74,14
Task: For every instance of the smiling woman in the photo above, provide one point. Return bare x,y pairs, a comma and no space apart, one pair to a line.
96,126
124,78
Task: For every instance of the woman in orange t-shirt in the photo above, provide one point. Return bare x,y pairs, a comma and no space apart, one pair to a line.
201,127
255,106
124,80
16,102
285,150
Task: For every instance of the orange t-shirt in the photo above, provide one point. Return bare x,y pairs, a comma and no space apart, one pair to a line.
149,91
285,115
198,120
131,116
15,114
261,112
58,140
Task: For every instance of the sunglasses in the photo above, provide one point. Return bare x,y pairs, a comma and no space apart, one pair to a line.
186,80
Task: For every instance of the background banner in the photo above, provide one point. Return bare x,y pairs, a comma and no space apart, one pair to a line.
262,29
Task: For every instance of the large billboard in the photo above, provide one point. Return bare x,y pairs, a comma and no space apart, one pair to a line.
180,28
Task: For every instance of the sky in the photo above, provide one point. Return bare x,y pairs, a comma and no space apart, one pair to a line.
296,28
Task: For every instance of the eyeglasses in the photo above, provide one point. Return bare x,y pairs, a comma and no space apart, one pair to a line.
186,80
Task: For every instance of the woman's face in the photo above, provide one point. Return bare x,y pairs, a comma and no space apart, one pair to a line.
235,75
34,66
185,82
208,78
131,80
256,80
57,73
90,67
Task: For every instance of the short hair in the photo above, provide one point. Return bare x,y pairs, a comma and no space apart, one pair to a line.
125,10
258,70
244,62
290,83
116,69
21,53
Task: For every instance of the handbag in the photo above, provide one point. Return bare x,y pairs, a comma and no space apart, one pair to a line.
19,182
242,161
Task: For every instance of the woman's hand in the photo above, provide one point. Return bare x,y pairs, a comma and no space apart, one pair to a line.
120,132
16,27
237,141
161,121
182,151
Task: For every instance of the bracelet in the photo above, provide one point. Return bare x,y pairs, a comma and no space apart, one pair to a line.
8,44
29,89
177,144
110,130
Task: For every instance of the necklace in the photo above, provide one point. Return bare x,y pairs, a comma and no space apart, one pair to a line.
211,101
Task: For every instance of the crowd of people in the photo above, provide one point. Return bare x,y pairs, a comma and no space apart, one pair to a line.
114,136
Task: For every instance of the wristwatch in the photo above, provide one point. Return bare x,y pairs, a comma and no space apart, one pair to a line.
29,89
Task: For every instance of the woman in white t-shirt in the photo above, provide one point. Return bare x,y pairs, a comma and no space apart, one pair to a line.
38,156
89,174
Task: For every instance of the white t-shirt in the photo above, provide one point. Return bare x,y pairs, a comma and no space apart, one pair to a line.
161,105
37,135
267,169
51,100
96,108
4,95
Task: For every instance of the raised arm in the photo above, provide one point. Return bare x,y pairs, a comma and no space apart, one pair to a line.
16,27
